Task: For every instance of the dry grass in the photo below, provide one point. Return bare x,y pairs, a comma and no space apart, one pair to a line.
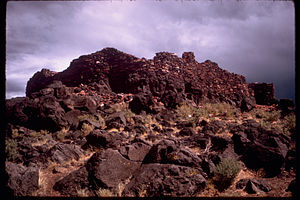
47,178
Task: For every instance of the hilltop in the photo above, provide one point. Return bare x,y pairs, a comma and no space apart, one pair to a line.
112,124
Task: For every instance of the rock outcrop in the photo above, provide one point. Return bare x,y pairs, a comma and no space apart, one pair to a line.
112,124
167,77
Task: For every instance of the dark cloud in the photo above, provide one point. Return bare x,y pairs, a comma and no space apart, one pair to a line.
253,38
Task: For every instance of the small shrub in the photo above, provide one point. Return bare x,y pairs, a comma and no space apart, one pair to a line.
82,192
102,192
15,133
62,133
95,118
266,116
216,110
289,124
86,129
100,120
184,111
225,172
39,134
11,150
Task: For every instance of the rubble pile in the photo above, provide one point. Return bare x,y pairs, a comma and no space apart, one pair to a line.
167,77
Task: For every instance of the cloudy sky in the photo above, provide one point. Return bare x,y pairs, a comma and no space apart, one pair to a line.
252,38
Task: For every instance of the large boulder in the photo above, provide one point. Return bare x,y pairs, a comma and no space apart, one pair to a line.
100,138
171,152
253,186
42,113
23,181
141,102
260,148
109,168
61,152
39,81
135,151
157,180
72,183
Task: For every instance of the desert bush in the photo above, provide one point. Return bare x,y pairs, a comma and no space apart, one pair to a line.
95,118
267,116
102,192
216,110
62,134
82,192
86,129
11,150
40,135
289,124
225,172
184,111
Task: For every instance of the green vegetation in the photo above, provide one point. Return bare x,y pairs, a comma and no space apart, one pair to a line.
271,120
266,116
86,129
11,149
105,193
186,112
39,134
225,172
62,134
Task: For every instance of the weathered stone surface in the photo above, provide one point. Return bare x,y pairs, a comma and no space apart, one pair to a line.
135,152
247,104
286,106
22,180
72,183
39,81
153,180
116,120
108,168
45,113
101,138
62,153
263,93
171,152
253,186
292,187
187,131
214,127
167,77
260,148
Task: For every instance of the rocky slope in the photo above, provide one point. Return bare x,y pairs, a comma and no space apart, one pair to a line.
113,124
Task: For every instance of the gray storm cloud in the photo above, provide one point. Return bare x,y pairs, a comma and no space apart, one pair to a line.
252,38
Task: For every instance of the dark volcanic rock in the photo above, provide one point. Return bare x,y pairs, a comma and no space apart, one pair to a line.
22,180
286,106
187,131
116,120
171,152
141,102
62,153
73,182
101,138
109,168
167,77
253,186
292,187
39,81
214,127
42,113
263,93
260,148
153,180
135,152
